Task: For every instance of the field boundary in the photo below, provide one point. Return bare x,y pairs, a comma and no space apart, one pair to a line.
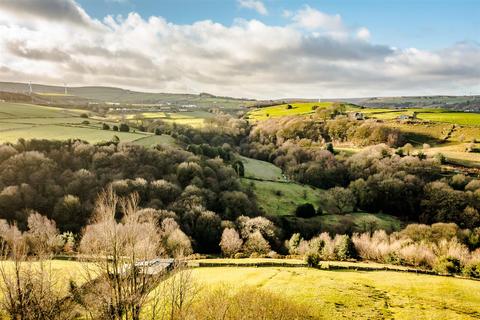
324,266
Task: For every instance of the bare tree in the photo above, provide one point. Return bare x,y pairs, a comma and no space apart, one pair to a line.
119,282
175,296
29,288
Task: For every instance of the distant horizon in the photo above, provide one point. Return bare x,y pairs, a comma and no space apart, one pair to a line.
232,97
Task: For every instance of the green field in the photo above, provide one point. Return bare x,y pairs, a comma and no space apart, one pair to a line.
261,169
280,198
358,295
333,294
193,118
282,110
153,140
39,122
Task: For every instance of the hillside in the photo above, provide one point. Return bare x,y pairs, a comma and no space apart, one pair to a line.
459,103
82,95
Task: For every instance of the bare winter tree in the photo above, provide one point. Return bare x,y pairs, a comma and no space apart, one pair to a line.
119,282
29,287
175,296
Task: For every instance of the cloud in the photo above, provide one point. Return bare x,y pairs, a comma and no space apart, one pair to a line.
313,19
246,59
56,10
363,34
254,5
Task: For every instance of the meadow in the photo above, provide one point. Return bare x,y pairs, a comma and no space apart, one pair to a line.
329,294
283,110
29,121
357,294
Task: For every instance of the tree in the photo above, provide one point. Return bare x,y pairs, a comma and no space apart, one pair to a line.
256,243
121,281
42,236
124,127
231,242
239,168
305,210
340,200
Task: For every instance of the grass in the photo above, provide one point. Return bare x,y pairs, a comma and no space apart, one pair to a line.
154,140
280,198
282,110
61,270
360,295
29,121
261,169
359,219
194,118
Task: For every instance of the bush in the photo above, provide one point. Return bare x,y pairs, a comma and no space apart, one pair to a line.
472,270
449,265
312,259
84,115
105,126
305,210
124,127
344,248
115,128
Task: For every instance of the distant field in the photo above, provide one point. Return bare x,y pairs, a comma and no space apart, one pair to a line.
261,169
153,140
282,110
194,118
358,295
38,122
277,198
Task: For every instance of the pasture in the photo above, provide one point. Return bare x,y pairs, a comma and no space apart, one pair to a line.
329,294
357,294
261,169
280,198
29,121
284,110
195,118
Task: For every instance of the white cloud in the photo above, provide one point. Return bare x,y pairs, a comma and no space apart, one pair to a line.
313,19
246,59
363,34
254,5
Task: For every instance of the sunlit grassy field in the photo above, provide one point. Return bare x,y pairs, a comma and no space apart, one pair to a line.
358,295
194,118
277,198
261,169
282,110
333,294
39,122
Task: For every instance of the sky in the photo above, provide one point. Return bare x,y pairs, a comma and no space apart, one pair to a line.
246,48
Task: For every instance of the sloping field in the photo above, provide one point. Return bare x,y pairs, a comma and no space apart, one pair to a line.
358,295
284,110
261,169
38,122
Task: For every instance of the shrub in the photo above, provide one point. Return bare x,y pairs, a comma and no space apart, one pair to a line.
449,265
124,127
344,248
312,259
294,243
115,128
105,126
472,269
305,210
